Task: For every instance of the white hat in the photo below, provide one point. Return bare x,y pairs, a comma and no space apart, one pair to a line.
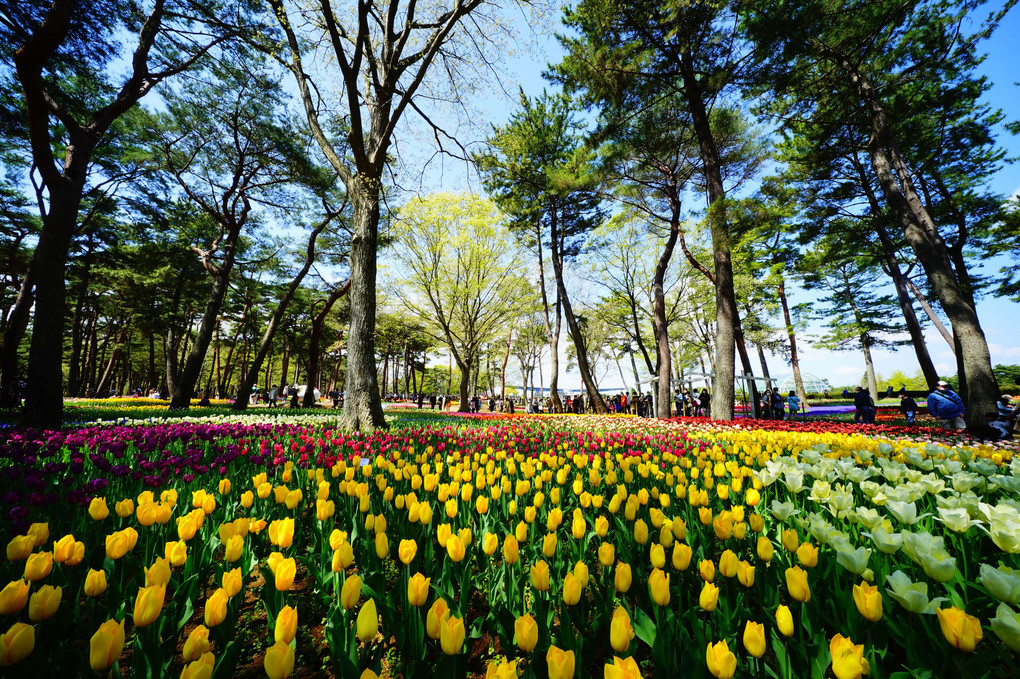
943,383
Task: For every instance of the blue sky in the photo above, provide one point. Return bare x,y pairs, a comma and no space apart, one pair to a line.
1000,318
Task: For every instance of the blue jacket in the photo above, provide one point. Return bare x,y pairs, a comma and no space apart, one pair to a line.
945,404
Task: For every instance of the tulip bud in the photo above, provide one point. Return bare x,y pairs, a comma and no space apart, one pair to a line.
869,601
540,576
368,622
706,568
511,550
560,663
754,638
44,603
38,566
286,625
797,584
451,634
20,546
106,645
196,645
571,589
279,661
765,549
216,607
622,579
148,605
709,597
407,550
961,630
418,589
434,618
16,644
621,631
95,582
351,592
784,621
284,574
681,556
848,659
526,630
607,554
98,509
720,660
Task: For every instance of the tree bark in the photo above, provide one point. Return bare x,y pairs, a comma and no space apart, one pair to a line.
502,369
552,330
315,337
725,297
659,323
981,391
362,404
798,381
185,386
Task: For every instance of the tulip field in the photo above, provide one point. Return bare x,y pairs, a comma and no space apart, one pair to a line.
531,546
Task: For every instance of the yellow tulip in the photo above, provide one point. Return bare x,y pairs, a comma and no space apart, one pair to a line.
797,584
177,552
434,618
526,630
869,601
784,621
640,532
216,607
158,573
607,554
284,574
382,545
286,625
343,556
706,568
148,605
540,576
807,554
279,661
20,547
621,631
124,508
848,659
622,578
44,603
196,645
98,509
234,549
351,592
622,668
368,621
41,533
38,566
571,589
418,589
728,564
560,663
709,597
601,526
549,544
16,644
232,581
490,543
756,522
765,549
745,574
95,582
658,584
752,497
511,549
657,556
63,549
369,674
961,630
790,540
407,550
720,660
281,532
106,645
754,638
581,573
201,668
681,556
455,548
224,487
451,634
521,532
13,597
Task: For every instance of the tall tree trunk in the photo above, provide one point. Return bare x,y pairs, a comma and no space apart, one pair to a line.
892,269
725,297
114,356
17,326
552,330
74,362
44,404
502,368
314,338
362,404
664,356
981,391
581,351
150,371
791,337
265,345
189,376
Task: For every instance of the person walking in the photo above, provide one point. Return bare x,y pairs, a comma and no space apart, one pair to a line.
864,412
793,403
946,406
908,407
